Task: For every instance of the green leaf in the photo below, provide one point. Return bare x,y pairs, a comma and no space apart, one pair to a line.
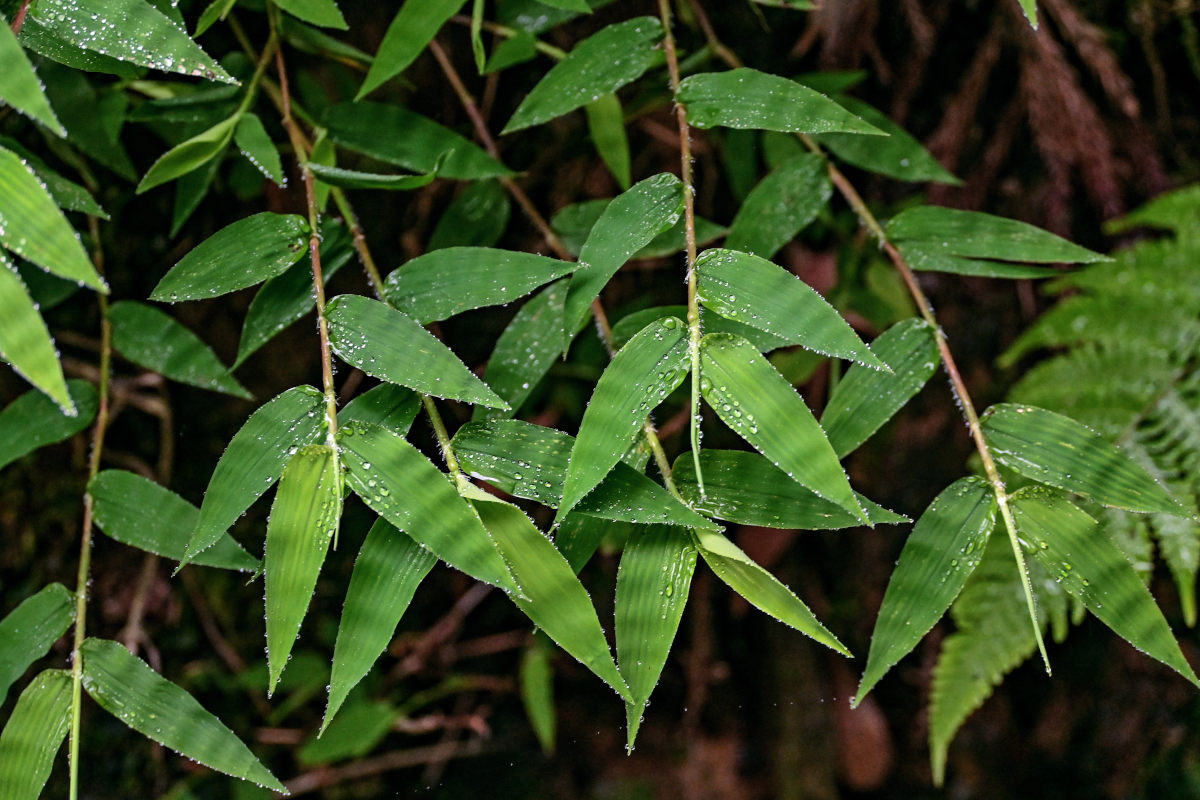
606,124
747,98
477,48
627,225
443,283
126,687
630,324
535,678
526,349
942,551
1057,450
35,731
748,489
392,346
319,12
189,155
752,398
216,10
358,730
899,156
1173,211
638,378
550,594
400,485
866,398
25,342
255,143
573,223
1073,549
387,404
304,520
599,65
781,205
190,191
32,226
33,420
129,30
27,632
476,218
652,590
1030,9
407,139
254,460
37,37
68,195
19,84
760,588
154,340
569,5
417,22
140,513
389,568
243,254
755,292
353,179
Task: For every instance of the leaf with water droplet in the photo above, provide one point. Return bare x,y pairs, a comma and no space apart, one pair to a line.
189,155
255,143
29,629
33,420
34,733
318,12
19,84
782,204
25,341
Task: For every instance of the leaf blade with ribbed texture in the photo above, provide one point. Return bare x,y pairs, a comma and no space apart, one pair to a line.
413,27
20,86
252,139
33,735
33,420
387,404
318,12
781,205
898,156
25,342
606,125
27,631
475,218
355,179
526,350
189,155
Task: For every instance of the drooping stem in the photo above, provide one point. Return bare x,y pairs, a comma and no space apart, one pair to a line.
19,19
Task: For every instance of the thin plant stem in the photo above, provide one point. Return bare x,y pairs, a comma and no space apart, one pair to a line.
508,33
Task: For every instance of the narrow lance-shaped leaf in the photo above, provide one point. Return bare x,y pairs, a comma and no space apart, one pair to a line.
638,378
573,224
126,687
477,217
536,679
189,155
758,403
19,84
319,12
25,342
606,124
781,205
387,404
33,420
942,551
652,590
389,568
33,735
255,143
304,519
354,179
27,632
69,195
417,22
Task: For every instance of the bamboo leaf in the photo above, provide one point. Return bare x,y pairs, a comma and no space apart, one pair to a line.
476,218
710,322
417,22
652,590
574,223
392,346
899,156
782,204
304,520
19,84
154,340
33,420
243,254
865,398
1073,549
760,588
446,282
525,350
354,734
606,124
400,485
747,98
389,568
254,460
536,680
27,632
25,342
318,12
748,489
140,513
569,5
189,155
1029,7
68,195
387,404
34,733
942,551
755,292
1057,450
638,378
762,407
353,179
599,65
252,139
127,688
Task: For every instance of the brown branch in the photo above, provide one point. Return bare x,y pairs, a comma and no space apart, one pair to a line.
325,777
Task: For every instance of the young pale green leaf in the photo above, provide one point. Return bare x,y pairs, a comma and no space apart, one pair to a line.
476,218
781,205
417,22
606,124
353,179
252,139
652,590
526,349
32,226
599,65
243,254
126,687
189,155
1029,7
394,347
400,485
25,342
154,340
1056,450
19,84
304,519
140,513
407,139
755,292
1073,548
129,30
865,398
941,553
758,403
627,225
387,404
389,568
27,632
550,594
34,732
33,420
446,282
319,12
535,678
638,378
254,460
748,489
760,588
747,98
899,156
